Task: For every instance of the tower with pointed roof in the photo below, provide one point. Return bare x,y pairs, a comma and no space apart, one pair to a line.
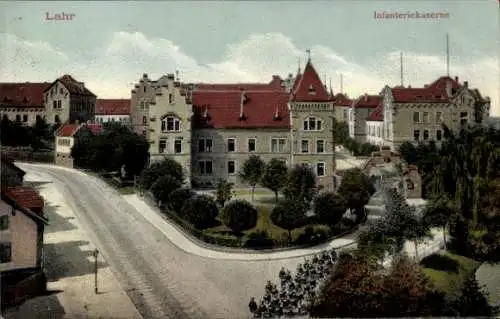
311,136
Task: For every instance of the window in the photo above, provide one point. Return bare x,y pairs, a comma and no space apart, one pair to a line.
426,135
205,167
416,135
278,145
144,89
463,118
162,146
426,117
178,146
320,146
38,117
251,145
59,106
63,142
439,135
4,222
320,169
312,124
170,124
409,184
231,167
439,117
54,104
204,145
144,133
144,120
5,253
56,119
170,98
231,145
345,114
416,117
18,118
378,131
61,91
304,146
142,105
25,118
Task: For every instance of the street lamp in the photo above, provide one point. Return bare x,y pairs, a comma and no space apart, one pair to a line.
96,254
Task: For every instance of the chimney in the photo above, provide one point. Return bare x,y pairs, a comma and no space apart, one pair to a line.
366,97
466,84
242,102
205,112
144,75
448,88
456,79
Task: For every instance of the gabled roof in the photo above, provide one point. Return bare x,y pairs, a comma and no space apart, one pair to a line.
309,87
95,128
67,130
274,85
222,109
368,101
72,85
26,95
26,196
378,113
341,100
433,93
112,107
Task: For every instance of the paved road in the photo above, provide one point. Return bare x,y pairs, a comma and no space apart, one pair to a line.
162,280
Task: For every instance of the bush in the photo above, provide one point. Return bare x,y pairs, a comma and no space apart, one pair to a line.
313,236
178,198
289,215
259,240
201,211
156,170
239,215
329,208
440,262
163,187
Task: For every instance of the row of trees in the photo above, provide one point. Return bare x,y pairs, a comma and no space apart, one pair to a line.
115,149
341,137
16,133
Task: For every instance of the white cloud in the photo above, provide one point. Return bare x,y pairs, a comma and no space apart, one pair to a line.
256,59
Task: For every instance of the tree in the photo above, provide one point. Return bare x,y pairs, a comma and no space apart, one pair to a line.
408,152
301,185
341,132
239,215
473,301
275,175
224,192
439,212
252,171
166,167
201,211
373,241
356,189
289,215
178,198
136,154
163,187
329,208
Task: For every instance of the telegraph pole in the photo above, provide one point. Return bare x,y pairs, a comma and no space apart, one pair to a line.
96,254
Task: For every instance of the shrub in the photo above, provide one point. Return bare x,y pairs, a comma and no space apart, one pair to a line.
239,215
259,240
313,236
178,198
163,187
440,262
201,211
329,208
289,215
166,167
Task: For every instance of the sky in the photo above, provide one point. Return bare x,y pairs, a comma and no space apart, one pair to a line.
110,44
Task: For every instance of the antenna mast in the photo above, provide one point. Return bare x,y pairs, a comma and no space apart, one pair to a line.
401,66
447,55
341,83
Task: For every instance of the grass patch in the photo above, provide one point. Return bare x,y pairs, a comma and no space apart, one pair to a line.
127,190
451,282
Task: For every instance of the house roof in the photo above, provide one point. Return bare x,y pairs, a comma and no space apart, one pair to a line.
368,101
223,109
72,85
341,100
112,107
274,85
26,196
95,128
308,83
26,95
68,130
433,93
378,113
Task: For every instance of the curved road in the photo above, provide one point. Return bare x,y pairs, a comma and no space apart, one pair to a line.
162,280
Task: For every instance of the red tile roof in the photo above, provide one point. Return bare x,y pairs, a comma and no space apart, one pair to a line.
94,128
223,109
341,100
68,130
433,93
73,86
310,82
112,107
378,113
368,101
274,85
27,95
26,197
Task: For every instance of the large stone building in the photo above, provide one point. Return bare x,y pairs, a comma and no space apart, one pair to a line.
211,129
360,110
64,100
112,110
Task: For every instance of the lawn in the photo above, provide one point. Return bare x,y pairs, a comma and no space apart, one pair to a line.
451,281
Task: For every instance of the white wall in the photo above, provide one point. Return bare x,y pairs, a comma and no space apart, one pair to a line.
374,132
66,148
123,118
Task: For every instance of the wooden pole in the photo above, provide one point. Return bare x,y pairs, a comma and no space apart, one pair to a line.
96,254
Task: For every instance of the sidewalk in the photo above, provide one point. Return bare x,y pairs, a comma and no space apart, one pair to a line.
69,267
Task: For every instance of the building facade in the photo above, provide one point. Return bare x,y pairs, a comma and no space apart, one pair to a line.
22,102
112,111
67,136
360,110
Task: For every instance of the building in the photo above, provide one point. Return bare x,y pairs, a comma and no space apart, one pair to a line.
11,175
360,110
22,102
112,110
69,135
211,129
417,114
342,105
375,126
67,100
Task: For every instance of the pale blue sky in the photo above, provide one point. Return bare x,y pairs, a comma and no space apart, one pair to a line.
247,41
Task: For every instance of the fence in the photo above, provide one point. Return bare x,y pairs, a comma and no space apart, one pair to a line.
28,155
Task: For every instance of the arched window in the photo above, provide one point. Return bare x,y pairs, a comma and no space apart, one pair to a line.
170,124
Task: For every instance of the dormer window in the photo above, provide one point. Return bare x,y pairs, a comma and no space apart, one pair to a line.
312,90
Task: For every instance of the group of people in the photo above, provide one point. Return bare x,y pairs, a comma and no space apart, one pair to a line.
296,294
